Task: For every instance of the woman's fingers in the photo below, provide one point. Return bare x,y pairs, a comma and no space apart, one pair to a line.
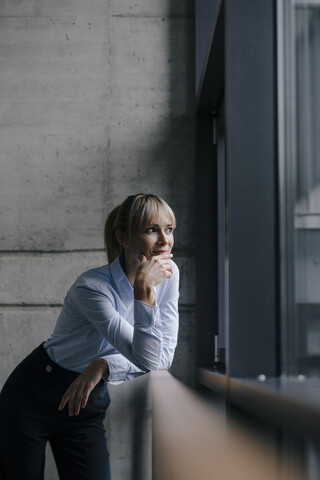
64,400
84,399
143,258
71,406
77,404
155,269
164,264
73,396
81,399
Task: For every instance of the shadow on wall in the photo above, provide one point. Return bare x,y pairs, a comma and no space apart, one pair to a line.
152,127
176,151
181,134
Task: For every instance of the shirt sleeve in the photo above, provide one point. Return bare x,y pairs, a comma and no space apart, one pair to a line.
149,344
120,369
169,320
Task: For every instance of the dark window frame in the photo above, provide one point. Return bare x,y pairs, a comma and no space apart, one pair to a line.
241,64
241,71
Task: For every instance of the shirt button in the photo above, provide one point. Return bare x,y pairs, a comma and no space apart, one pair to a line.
48,368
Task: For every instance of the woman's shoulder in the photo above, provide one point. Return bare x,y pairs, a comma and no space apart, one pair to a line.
94,277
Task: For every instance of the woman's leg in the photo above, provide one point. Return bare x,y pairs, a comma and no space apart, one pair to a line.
81,456
29,416
22,441
79,447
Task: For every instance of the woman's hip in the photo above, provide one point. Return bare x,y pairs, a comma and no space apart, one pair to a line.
38,383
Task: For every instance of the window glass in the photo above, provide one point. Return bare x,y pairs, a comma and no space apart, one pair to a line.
223,261
299,114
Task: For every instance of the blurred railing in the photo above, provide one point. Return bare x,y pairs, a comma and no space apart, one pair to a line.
193,440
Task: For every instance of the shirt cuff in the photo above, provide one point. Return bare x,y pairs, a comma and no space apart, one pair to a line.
117,370
146,315
120,370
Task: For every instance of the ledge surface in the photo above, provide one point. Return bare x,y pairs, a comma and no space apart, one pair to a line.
291,402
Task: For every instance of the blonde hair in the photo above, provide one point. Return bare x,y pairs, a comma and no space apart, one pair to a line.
134,214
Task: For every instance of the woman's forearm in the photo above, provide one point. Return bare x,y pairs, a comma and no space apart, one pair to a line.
143,292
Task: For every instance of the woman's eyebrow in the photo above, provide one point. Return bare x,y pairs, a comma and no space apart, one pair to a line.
156,225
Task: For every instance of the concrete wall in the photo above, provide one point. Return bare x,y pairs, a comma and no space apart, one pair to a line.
96,102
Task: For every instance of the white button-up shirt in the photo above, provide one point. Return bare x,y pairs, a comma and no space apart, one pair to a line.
101,318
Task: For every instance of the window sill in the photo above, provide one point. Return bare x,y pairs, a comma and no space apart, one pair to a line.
286,402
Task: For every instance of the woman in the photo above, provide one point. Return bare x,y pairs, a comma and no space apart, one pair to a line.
118,321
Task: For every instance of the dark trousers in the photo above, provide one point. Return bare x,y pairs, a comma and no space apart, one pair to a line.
29,417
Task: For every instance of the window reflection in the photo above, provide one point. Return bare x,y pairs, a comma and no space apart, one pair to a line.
301,218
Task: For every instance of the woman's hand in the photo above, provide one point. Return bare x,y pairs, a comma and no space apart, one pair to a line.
78,393
152,271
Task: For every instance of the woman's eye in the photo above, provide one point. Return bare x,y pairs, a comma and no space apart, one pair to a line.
150,230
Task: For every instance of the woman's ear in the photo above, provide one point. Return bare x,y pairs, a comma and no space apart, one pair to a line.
120,238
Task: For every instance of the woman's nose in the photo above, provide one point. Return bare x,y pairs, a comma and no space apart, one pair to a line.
162,238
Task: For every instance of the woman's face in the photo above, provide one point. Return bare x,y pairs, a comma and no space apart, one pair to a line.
154,239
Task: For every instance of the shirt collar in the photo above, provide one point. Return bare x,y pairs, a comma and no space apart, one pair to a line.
120,279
